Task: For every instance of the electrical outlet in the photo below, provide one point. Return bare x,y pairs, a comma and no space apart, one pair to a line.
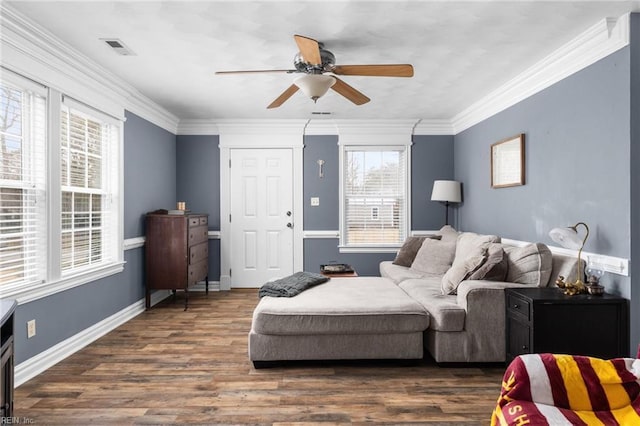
315,201
31,328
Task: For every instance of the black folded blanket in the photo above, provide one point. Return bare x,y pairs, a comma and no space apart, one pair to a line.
291,285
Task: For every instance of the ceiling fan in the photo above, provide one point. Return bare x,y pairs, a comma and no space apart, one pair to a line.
320,71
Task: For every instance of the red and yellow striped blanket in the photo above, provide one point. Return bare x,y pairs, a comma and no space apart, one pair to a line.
547,389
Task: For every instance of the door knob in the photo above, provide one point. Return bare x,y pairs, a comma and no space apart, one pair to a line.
289,225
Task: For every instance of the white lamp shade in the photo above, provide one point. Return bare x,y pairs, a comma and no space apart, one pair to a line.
566,237
314,85
446,190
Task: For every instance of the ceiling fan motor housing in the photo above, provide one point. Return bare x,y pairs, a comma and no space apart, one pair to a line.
327,58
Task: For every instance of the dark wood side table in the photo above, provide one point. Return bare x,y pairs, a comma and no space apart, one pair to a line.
350,274
545,320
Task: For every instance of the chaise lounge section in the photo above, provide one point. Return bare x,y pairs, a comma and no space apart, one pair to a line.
432,303
345,318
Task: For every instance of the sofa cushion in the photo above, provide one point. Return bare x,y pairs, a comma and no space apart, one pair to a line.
448,234
470,244
434,257
410,248
495,266
370,305
529,265
445,313
470,254
397,273
459,271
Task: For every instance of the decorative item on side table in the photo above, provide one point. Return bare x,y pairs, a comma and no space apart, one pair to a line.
568,238
338,270
447,191
595,271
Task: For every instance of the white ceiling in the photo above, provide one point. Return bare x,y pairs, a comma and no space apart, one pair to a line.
460,51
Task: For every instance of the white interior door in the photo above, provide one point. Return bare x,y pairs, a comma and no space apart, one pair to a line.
261,188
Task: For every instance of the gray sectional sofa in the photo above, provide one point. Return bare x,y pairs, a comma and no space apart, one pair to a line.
444,293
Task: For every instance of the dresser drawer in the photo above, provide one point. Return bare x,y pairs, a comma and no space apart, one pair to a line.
518,306
198,271
194,221
198,252
198,235
203,220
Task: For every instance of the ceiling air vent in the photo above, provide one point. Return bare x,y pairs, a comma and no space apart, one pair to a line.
118,46
320,113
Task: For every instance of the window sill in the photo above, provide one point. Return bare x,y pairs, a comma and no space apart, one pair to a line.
368,249
29,293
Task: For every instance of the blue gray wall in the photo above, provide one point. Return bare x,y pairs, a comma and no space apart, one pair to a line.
576,160
150,182
198,185
431,159
149,172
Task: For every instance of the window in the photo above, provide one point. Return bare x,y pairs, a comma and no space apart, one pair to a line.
375,213
22,181
85,143
374,197
60,207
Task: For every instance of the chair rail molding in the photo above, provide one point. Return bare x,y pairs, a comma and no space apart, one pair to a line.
614,265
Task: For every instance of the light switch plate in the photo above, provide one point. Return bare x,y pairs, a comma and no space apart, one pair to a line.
315,201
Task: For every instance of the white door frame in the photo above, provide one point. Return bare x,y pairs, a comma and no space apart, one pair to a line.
260,135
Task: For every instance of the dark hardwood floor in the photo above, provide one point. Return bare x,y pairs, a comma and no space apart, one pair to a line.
168,366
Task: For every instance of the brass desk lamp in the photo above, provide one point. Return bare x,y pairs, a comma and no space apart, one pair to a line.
568,238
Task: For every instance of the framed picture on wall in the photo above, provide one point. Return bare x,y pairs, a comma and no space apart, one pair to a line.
507,162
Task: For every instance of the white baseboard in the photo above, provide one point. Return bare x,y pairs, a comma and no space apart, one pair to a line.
35,365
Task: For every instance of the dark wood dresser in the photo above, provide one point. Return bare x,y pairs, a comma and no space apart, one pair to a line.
176,252
545,320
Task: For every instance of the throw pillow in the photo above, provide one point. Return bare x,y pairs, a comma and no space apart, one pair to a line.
410,248
469,243
448,233
471,249
460,271
494,268
530,265
434,257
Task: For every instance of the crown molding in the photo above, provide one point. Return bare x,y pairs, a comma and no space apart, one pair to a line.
376,127
321,127
599,41
433,127
261,126
198,127
32,51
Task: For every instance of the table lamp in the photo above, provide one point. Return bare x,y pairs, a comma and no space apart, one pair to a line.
447,191
568,238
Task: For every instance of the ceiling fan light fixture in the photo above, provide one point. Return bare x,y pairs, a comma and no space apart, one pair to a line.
314,85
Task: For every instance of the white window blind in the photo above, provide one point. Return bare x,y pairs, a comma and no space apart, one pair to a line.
22,182
375,196
88,143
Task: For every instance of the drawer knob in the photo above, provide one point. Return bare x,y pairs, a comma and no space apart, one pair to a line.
525,348
516,306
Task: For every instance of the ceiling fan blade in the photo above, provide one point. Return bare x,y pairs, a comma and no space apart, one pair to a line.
349,92
392,70
252,71
309,49
283,97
